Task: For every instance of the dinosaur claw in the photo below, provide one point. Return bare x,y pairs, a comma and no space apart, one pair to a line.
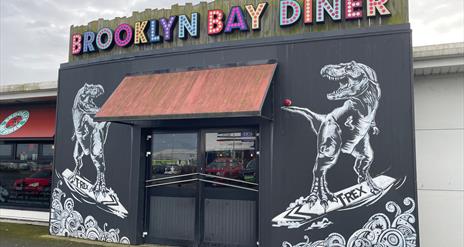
372,186
375,131
330,197
376,190
333,199
75,173
311,204
311,200
325,205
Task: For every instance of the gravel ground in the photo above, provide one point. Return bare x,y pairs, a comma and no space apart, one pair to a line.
24,235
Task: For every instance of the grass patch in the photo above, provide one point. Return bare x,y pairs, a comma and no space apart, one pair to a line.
23,235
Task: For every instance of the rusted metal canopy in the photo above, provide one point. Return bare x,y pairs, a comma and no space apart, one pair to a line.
218,92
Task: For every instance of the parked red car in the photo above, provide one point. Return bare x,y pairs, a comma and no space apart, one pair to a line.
36,183
225,167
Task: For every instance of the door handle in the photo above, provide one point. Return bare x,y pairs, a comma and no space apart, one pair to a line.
174,182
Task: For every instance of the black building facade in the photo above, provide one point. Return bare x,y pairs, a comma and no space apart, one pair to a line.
326,160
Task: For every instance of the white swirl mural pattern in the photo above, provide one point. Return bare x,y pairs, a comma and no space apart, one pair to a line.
379,231
65,221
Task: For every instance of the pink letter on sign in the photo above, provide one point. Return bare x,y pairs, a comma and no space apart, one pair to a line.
76,46
372,5
353,9
236,20
120,30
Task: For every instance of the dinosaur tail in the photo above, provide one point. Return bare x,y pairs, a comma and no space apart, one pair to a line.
314,118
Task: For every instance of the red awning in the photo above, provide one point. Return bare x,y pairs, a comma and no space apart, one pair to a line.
219,92
27,122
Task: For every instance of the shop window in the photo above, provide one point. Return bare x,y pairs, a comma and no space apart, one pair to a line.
47,151
28,151
6,151
26,175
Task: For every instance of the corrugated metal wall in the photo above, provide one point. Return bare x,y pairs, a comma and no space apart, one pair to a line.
172,217
230,221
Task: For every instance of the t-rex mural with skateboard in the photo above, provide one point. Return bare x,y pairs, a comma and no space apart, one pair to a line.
90,138
346,129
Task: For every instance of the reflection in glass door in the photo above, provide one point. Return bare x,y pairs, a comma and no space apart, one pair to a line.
172,188
232,157
229,188
174,154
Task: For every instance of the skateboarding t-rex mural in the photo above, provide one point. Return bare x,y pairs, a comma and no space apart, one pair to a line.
345,129
89,136
89,141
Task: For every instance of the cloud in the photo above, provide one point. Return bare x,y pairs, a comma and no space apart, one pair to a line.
34,34
435,22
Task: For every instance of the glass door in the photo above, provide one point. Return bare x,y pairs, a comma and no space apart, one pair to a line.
202,188
229,188
172,188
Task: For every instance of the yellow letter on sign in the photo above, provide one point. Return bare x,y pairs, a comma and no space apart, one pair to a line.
140,32
256,15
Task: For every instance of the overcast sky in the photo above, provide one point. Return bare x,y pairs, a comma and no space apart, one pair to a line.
34,33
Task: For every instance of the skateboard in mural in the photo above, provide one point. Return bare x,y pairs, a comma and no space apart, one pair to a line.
82,187
299,214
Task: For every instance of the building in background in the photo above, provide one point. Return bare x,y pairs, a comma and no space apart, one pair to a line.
27,129
439,118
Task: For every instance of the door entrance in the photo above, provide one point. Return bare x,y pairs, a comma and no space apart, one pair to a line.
202,188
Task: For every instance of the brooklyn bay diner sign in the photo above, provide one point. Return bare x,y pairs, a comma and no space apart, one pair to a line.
238,19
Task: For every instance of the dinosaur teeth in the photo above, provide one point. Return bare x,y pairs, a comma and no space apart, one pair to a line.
332,78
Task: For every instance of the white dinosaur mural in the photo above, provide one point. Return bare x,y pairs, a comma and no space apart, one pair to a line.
90,138
345,130
360,94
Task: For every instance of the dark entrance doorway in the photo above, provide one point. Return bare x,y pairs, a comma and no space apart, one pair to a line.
202,188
